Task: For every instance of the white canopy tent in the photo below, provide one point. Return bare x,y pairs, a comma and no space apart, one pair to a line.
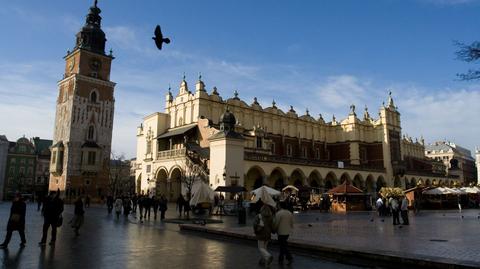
265,194
202,193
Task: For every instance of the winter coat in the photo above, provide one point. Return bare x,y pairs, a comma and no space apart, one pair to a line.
118,205
16,222
52,209
266,215
283,222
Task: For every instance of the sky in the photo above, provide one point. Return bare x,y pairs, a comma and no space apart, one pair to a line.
317,55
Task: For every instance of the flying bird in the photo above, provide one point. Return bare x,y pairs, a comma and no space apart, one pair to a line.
159,40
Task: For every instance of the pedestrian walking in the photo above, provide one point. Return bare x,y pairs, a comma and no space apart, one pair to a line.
395,210
221,205
127,206
118,207
134,202
187,208
180,203
16,221
52,214
283,225
263,226
404,210
141,203
163,204
379,206
147,203
78,216
110,204
155,205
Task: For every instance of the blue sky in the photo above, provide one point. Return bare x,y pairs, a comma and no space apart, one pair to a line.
321,55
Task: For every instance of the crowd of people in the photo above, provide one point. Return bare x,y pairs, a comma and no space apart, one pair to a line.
144,203
394,207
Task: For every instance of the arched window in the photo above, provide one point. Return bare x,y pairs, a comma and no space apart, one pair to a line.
93,97
91,133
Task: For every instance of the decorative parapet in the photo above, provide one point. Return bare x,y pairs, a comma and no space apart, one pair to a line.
169,154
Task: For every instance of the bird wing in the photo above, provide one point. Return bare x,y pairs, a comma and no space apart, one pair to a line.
166,40
158,31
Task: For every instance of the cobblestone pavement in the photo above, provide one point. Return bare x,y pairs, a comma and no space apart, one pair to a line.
430,235
105,242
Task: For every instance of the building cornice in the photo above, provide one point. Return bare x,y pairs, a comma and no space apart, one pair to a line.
87,79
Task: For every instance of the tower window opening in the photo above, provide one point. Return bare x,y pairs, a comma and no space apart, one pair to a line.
91,132
93,97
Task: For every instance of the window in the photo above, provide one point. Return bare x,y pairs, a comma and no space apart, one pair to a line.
12,171
149,168
259,142
22,161
29,171
54,156
289,150
149,146
272,148
22,171
317,153
13,160
93,96
30,162
22,149
304,152
91,132
91,158
180,121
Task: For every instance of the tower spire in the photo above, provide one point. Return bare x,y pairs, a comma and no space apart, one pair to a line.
91,37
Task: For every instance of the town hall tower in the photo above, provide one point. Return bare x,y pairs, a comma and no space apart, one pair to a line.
84,115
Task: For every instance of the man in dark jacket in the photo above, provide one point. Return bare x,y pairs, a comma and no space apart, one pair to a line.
16,222
52,210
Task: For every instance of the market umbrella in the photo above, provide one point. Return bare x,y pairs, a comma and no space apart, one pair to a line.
290,187
264,195
271,191
202,194
435,191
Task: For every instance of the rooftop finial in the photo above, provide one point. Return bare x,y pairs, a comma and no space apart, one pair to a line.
95,3
308,112
352,110
235,94
184,76
199,76
273,103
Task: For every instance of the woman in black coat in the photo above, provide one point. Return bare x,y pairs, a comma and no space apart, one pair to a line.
16,222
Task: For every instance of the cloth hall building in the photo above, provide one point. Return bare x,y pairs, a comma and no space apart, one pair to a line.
229,142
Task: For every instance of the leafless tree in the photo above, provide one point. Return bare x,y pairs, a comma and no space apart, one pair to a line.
119,175
468,53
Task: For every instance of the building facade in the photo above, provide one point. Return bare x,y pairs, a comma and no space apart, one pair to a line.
458,160
193,138
20,172
84,115
477,162
4,145
42,165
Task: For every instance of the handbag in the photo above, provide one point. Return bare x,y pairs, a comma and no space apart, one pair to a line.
59,221
15,218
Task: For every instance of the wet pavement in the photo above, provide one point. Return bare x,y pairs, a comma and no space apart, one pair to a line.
105,242
449,236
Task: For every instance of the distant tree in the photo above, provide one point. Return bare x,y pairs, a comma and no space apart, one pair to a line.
119,175
468,53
